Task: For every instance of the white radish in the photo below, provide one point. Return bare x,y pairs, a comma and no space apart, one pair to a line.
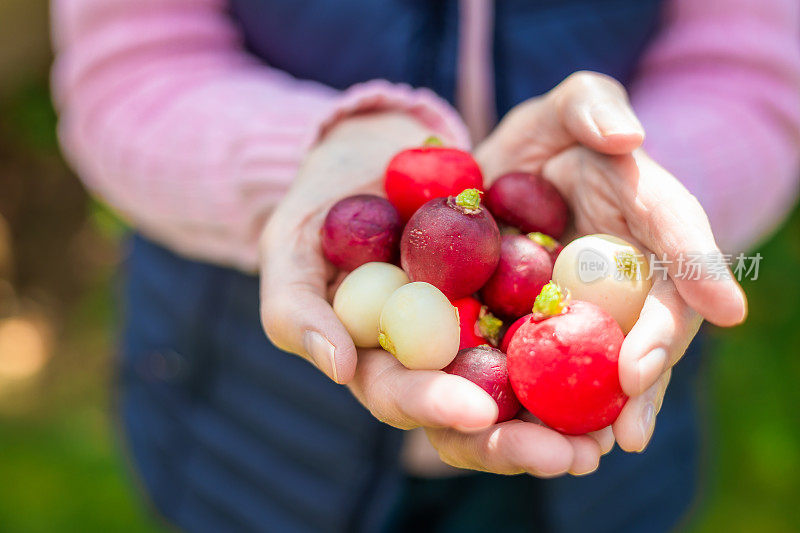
419,326
360,297
608,272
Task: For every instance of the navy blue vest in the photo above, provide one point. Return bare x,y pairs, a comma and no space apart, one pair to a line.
537,43
230,434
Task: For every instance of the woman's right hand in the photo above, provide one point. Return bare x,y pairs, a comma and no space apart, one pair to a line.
295,280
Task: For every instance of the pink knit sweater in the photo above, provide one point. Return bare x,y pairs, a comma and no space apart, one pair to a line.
167,118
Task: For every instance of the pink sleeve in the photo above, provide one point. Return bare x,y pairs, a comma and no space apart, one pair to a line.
166,118
719,96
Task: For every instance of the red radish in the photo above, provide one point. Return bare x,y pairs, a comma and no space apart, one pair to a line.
486,367
361,229
563,364
524,268
548,243
418,175
528,202
478,326
509,334
452,243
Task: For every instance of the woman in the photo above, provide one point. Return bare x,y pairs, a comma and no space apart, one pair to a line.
192,118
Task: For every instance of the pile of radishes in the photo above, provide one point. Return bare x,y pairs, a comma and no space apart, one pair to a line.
484,289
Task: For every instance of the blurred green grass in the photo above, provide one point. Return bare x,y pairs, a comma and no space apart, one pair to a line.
754,379
60,454
62,467
61,462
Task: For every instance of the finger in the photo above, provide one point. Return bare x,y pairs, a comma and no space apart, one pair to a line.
586,456
605,438
294,312
670,222
512,447
659,338
587,108
407,399
587,448
662,216
593,109
634,427
333,286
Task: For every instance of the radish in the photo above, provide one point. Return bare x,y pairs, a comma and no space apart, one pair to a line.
452,243
528,202
419,326
478,325
361,229
486,367
509,333
606,271
418,175
548,243
360,298
563,364
524,268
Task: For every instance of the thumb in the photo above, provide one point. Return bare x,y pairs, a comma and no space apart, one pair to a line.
592,109
294,312
587,108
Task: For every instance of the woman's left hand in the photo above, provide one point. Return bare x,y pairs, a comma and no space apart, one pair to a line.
584,138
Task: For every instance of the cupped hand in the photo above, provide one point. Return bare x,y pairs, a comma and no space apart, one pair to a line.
584,138
295,280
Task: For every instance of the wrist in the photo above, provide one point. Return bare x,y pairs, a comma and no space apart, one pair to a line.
350,158
356,150
383,127
414,107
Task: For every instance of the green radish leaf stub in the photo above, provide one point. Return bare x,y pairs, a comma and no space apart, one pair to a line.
386,343
469,199
552,301
433,140
489,326
545,241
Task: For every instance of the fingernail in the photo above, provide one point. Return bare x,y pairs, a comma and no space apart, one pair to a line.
612,118
470,429
745,304
580,474
321,352
650,367
647,424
